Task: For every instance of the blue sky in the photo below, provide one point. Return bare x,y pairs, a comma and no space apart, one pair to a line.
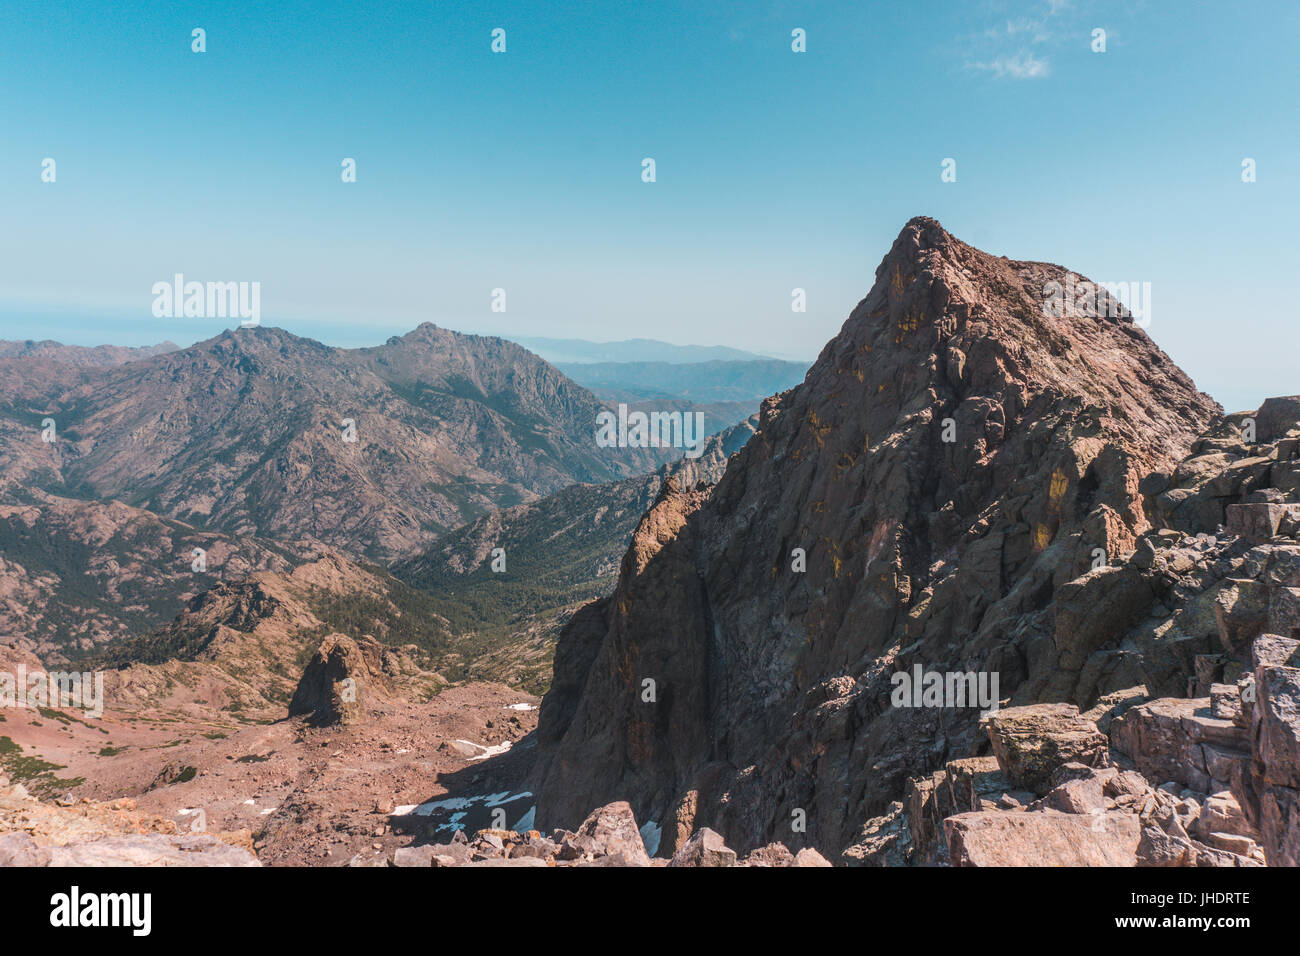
522,170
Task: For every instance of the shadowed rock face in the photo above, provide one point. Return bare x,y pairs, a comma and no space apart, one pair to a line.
337,681
771,690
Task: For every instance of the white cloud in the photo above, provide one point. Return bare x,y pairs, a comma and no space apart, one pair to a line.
1021,66
1018,46
1034,30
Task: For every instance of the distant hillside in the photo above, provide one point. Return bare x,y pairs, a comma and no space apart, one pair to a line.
97,356
245,433
559,552
447,607
78,576
699,382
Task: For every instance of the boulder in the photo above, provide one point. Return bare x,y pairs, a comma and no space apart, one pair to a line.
1241,612
774,854
974,780
613,831
1221,813
414,855
152,849
1080,795
1109,706
1276,417
1032,742
809,857
1256,522
1042,838
705,848
1179,739
18,849
1225,701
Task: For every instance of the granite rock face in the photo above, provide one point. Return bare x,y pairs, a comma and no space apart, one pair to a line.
153,849
1269,787
955,486
1132,805
339,678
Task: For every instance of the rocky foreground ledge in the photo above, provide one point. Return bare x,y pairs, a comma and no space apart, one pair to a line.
1201,781
68,832
608,837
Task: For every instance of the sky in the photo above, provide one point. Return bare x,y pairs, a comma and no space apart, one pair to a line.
522,170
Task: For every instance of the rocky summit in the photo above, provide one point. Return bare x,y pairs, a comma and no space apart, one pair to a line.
976,493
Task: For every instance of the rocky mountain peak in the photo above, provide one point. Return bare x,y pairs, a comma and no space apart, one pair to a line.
961,450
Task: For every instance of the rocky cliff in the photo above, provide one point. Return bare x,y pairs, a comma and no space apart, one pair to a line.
960,455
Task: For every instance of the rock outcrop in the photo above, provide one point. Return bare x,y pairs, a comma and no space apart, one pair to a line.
340,678
86,833
956,487
1207,779
609,836
1269,786
1131,805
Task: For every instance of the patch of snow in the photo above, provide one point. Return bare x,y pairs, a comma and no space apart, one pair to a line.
505,796
462,807
493,751
425,809
651,834
520,707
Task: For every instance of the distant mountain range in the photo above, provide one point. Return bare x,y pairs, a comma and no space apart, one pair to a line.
710,381
234,452
376,451
81,355
561,351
